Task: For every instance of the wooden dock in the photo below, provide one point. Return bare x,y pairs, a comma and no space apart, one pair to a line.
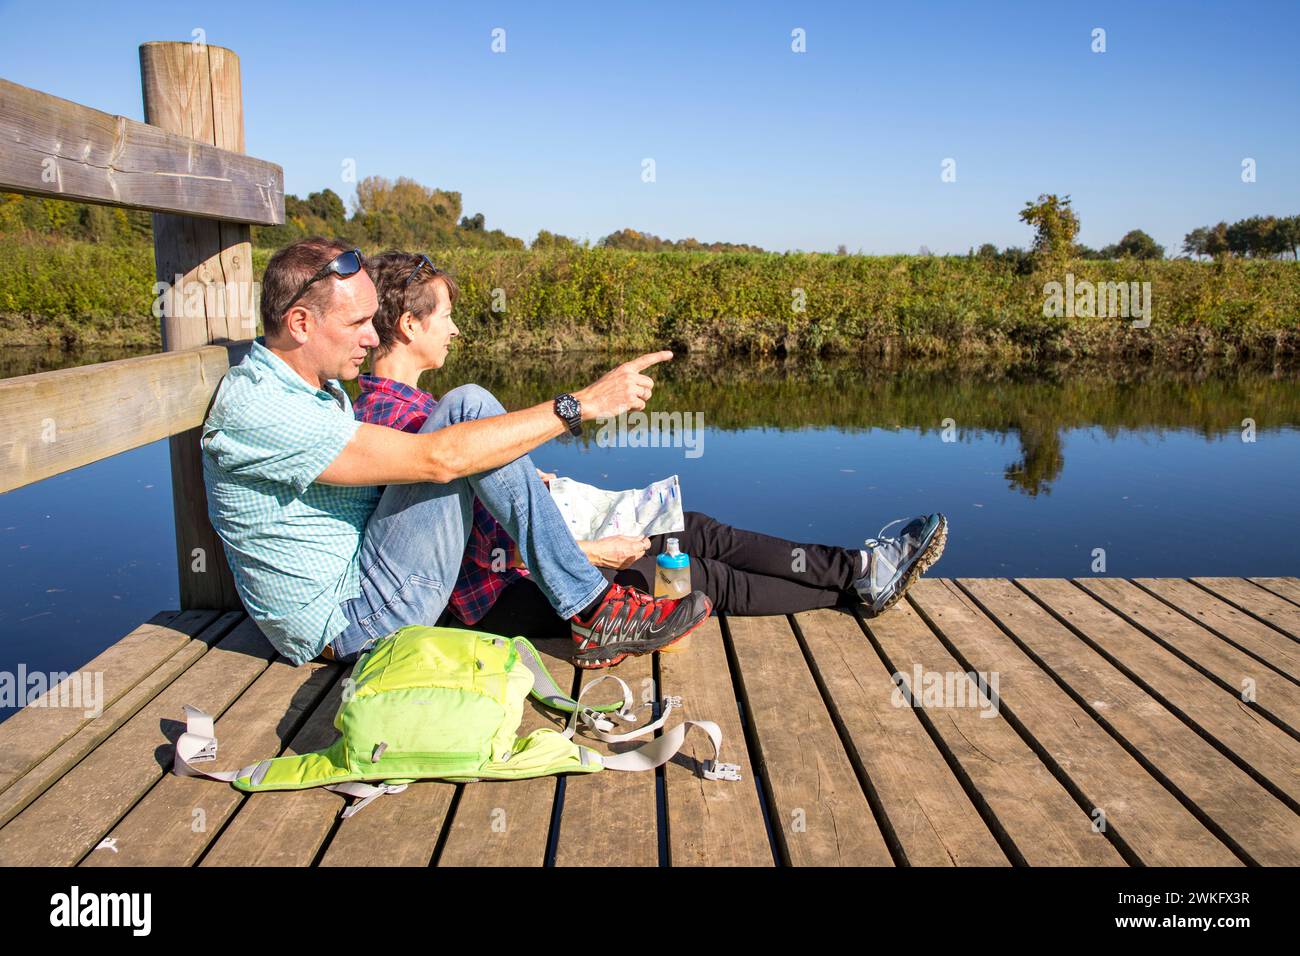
1143,722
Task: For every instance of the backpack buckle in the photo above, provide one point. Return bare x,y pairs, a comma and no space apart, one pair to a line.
714,770
595,720
207,752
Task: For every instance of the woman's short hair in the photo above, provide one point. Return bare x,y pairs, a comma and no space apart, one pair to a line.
396,295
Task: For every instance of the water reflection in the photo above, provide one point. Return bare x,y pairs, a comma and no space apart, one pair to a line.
1032,405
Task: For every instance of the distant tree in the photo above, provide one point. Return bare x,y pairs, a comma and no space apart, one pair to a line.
326,205
635,241
1055,226
474,223
1254,236
1136,244
1288,235
987,251
550,240
841,250
1216,240
1196,242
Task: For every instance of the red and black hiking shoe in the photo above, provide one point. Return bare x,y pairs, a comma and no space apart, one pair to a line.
629,621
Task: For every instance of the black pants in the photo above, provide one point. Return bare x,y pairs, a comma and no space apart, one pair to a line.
742,572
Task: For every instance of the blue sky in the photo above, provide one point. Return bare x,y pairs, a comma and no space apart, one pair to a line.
751,141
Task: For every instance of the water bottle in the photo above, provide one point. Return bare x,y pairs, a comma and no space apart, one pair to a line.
673,579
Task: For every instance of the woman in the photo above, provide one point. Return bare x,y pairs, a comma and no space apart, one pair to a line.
742,572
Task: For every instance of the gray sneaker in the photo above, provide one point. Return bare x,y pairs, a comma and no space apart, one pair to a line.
894,563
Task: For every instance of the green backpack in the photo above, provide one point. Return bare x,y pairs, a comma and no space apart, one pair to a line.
446,703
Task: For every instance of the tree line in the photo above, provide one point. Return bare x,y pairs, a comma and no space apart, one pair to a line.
401,214
405,214
1257,237
1056,226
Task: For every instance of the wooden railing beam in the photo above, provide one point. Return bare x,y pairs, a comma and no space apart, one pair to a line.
52,422
53,147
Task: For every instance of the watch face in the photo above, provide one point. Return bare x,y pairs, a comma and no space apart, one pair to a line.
567,406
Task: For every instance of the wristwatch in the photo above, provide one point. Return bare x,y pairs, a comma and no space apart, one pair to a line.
570,410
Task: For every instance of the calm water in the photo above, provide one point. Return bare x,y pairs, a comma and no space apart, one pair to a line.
1035,469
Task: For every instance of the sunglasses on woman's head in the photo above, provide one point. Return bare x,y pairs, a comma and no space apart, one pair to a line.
343,265
424,261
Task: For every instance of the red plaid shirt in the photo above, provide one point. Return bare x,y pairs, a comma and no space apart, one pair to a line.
384,401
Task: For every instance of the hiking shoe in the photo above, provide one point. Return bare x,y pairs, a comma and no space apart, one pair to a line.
894,563
629,621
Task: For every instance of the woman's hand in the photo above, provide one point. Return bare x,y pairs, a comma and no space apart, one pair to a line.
617,551
546,476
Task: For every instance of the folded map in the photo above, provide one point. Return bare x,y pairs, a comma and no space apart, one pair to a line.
592,512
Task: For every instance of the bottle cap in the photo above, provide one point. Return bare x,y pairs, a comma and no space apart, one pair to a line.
672,556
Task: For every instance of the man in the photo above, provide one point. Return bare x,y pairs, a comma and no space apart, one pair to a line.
323,561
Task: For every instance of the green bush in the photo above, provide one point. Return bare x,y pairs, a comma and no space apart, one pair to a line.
601,298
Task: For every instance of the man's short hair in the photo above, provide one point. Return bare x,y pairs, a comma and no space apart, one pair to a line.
389,272
288,270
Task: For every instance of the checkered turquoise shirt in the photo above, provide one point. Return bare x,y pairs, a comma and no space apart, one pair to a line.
292,542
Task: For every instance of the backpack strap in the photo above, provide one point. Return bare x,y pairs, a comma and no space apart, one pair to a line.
647,757
600,726
662,749
199,744
658,751
547,692
366,791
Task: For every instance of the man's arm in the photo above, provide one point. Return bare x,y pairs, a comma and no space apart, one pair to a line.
377,455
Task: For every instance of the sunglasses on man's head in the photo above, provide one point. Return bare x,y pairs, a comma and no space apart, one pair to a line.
343,265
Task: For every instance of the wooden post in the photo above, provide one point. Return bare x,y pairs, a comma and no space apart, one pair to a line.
194,89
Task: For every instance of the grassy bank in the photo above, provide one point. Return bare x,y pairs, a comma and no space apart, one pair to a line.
730,302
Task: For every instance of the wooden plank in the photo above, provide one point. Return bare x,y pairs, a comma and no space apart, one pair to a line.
818,811
194,90
53,147
398,830
1238,628
52,422
710,823
1274,694
287,827
508,822
34,732
1288,588
931,820
180,816
591,831
1261,825
1037,816
1245,737
69,819
1257,602
71,751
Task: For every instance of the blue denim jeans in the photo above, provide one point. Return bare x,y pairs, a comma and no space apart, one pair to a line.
414,542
